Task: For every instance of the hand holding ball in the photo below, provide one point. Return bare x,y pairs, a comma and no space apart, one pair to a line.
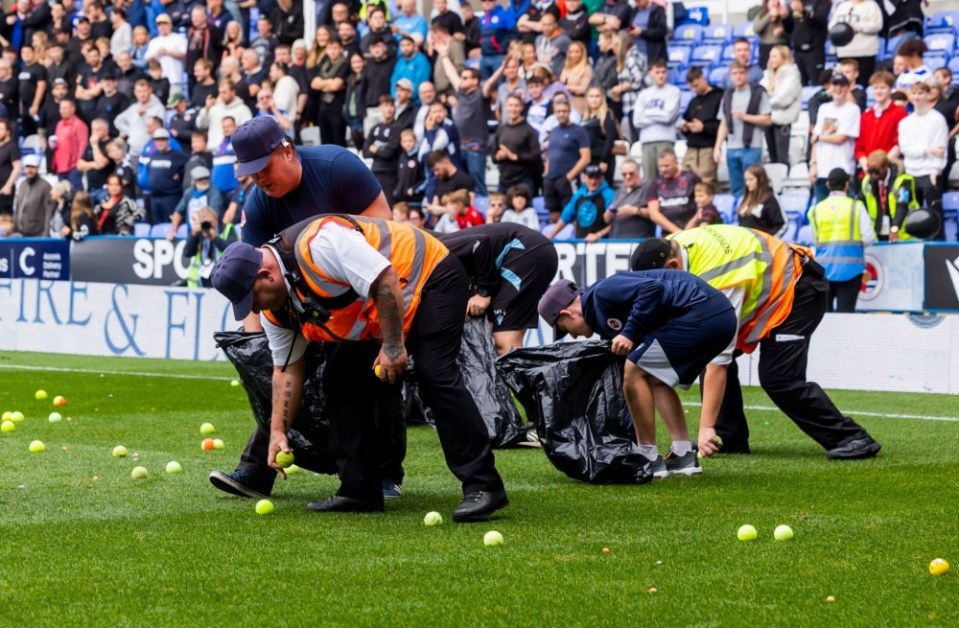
284,459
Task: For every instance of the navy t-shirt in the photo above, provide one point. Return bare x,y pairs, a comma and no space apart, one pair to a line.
335,181
563,151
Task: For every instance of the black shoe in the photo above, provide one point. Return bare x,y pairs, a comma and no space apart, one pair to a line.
480,505
242,484
855,449
340,503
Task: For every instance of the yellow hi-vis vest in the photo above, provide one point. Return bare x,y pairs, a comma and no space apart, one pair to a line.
835,221
765,267
903,187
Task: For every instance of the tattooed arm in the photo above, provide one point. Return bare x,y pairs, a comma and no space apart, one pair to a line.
386,294
287,393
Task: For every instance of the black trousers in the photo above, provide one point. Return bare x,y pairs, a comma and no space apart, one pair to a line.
930,197
811,64
777,141
388,183
844,294
556,193
332,126
783,358
434,343
350,383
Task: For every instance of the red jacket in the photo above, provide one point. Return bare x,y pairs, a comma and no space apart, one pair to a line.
470,218
880,133
72,139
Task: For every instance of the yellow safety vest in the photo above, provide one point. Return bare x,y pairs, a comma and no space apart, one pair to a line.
870,196
835,221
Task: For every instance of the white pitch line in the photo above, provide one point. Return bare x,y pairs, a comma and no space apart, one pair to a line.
23,367
854,413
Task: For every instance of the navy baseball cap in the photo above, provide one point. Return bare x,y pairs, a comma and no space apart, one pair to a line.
253,142
234,276
556,299
651,254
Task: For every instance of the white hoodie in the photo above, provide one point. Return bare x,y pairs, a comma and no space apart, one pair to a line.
785,99
656,112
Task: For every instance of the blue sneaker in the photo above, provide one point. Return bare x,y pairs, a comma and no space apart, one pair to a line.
391,490
241,484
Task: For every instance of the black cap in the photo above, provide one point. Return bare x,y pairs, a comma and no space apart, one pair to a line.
837,179
593,170
556,299
651,254
838,78
253,142
234,276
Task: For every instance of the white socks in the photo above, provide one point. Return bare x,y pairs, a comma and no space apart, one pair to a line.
682,447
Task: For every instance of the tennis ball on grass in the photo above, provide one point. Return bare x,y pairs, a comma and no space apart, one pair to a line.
235,383
938,567
139,473
207,444
17,417
292,469
432,519
284,459
207,428
783,533
264,507
37,447
492,538
218,444
747,533
7,426
59,401
173,467
55,417
119,451
40,394
7,416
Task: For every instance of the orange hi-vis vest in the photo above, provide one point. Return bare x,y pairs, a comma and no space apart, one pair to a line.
763,266
327,309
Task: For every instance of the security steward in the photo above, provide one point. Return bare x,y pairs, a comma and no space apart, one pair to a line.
841,229
509,268
889,197
294,184
779,292
341,278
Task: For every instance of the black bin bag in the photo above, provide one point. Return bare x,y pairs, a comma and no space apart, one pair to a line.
573,392
311,435
477,364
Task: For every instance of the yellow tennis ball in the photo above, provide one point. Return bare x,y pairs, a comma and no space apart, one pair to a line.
433,519
7,426
173,467
292,469
492,538
59,400
55,417
17,417
37,447
7,416
747,533
938,567
235,383
218,444
377,370
40,394
207,429
284,459
119,451
783,533
139,473
264,507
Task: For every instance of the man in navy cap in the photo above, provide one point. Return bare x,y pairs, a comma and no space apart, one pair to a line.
669,325
294,184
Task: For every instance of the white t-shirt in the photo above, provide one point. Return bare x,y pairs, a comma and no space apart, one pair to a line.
834,120
343,254
171,66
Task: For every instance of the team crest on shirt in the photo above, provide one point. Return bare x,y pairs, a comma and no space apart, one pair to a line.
614,323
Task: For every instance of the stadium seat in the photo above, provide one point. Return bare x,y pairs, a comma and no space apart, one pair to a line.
697,15
808,92
743,29
950,225
310,136
942,22
685,96
680,147
726,206
481,204
717,34
688,35
160,230
728,56
934,60
893,43
706,56
804,235
777,176
944,43
676,76
182,232
142,229
679,56
717,76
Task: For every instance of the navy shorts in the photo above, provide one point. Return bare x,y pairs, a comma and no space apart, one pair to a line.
677,352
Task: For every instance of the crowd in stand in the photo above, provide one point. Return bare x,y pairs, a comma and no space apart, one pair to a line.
129,107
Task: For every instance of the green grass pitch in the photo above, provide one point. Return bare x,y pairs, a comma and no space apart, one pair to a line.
172,551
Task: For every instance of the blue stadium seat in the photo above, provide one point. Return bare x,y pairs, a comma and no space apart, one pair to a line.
807,93
707,56
481,204
676,76
697,15
685,96
942,22
941,43
687,35
950,224
182,232
679,56
717,76
160,230
744,29
892,45
142,229
954,66
795,206
804,235
717,34
728,56
934,60
726,206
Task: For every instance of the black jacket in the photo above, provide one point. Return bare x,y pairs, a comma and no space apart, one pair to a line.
386,137
521,139
288,26
808,30
705,108
655,34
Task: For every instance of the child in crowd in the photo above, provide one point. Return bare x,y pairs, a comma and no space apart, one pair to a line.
401,212
410,180
416,218
706,212
497,205
521,210
199,156
7,227
459,214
